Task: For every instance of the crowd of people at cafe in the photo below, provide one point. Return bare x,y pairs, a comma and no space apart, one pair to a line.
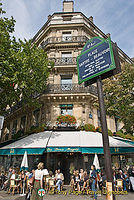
80,180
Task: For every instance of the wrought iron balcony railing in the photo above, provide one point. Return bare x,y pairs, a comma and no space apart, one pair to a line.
67,39
70,88
64,61
58,89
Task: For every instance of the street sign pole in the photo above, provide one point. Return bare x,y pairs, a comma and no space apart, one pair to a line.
107,154
99,60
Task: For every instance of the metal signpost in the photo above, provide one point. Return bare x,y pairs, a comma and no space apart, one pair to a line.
96,62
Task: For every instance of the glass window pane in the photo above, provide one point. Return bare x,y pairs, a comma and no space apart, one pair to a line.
36,114
23,122
66,110
66,36
14,127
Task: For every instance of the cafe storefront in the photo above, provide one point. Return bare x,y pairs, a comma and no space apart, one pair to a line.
66,150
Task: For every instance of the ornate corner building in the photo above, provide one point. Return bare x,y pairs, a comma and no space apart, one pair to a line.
63,37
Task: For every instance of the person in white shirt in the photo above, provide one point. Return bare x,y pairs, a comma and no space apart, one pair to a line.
59,179
13,176
45,172
38,183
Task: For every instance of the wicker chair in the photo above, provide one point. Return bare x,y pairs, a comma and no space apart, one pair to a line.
119,185
13,186
51,185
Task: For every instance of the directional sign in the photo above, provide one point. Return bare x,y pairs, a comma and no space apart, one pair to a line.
92,42
95,61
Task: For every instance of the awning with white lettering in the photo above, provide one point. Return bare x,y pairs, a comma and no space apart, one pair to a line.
65,141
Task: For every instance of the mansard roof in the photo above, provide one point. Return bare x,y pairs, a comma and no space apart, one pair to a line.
97,31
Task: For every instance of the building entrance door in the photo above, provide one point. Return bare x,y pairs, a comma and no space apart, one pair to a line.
67,162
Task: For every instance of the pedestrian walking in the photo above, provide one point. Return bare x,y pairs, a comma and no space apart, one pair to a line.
93,177
38,182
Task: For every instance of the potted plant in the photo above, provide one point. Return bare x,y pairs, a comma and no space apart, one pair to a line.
66,121
89,127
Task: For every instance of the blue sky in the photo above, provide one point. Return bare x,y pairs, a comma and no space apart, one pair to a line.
111,16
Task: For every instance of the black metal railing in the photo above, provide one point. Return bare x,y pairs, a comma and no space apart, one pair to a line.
67,39
70,88
58,89
64,61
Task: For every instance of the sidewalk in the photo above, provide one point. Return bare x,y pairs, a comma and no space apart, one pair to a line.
5,196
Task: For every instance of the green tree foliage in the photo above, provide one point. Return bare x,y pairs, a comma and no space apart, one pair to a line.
23,67
119,97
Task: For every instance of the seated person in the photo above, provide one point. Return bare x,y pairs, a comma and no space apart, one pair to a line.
46,180
86,180
72,182
13,183
3,180
59,179
81,177
126,180
77,180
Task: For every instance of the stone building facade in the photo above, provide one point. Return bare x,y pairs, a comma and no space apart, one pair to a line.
63,37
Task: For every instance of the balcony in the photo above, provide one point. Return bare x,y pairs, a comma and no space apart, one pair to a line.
70,89
58,89
64,61
62,40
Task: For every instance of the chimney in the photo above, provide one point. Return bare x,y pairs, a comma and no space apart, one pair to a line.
108,35
91,18
49,16
68,6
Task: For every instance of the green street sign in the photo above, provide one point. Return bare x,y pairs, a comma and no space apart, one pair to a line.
96,60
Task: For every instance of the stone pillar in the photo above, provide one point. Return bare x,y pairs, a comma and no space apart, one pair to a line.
95,117
48,160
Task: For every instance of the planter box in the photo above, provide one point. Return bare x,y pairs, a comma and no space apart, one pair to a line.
65,128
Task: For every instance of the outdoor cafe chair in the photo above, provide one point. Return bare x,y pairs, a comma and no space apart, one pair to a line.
14,184
119,185
51,185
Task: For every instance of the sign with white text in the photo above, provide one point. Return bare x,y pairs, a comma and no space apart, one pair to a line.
95,61
92,42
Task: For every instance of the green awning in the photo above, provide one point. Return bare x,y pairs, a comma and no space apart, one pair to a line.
66,105
63,149
113,150
21,151
64,141
90,150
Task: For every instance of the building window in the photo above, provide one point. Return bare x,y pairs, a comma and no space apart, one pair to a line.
6,137
117,123
7,132
14,129
99,118
23,123
66,36
66,82
66,57
66,109
67,18
36,114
